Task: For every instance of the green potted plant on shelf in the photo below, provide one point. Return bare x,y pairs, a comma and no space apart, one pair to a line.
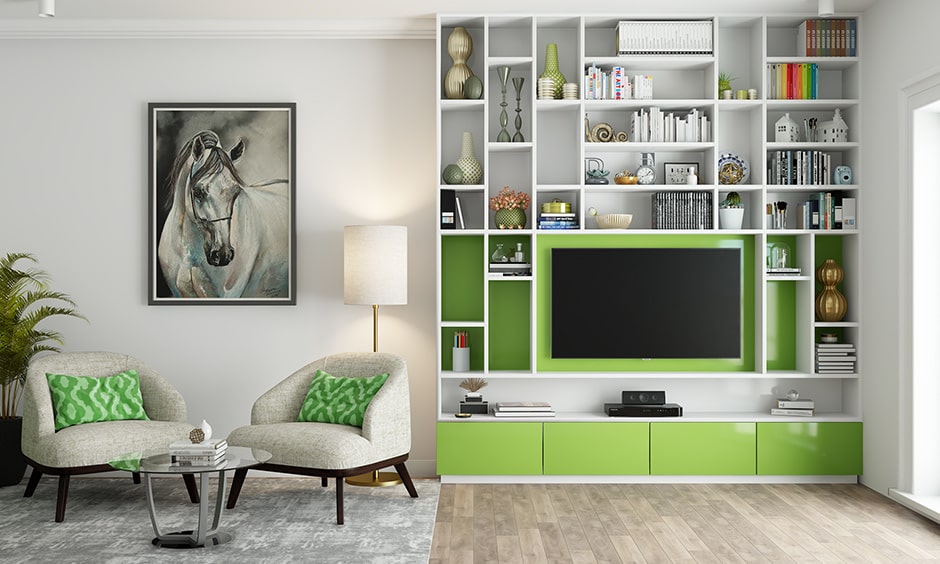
724,82
25,301
731,212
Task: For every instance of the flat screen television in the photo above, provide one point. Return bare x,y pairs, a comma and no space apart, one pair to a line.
646,303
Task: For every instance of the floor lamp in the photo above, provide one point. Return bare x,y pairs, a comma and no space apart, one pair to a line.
375,272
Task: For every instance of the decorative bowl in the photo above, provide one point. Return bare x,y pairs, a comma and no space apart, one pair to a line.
614,220
626,179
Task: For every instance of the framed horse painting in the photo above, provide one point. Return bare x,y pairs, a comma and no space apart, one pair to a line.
222,211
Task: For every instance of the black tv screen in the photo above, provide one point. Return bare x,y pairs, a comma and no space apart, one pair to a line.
646,303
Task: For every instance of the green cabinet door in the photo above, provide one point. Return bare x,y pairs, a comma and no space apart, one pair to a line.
819,449
597,448
702,449
469,448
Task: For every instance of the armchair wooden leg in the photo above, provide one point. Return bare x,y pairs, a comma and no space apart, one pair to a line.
136,476
62,497
406,479
324,481
237,482
33,482
339,499
190,481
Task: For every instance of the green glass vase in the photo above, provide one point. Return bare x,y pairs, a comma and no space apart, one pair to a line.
551,69
513,218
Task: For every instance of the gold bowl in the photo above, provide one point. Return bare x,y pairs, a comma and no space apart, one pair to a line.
626,179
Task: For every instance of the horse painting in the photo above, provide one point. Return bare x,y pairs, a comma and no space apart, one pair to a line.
223,238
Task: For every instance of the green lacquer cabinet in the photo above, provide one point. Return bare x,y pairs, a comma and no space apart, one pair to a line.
702,449
470,448
597,448
816,449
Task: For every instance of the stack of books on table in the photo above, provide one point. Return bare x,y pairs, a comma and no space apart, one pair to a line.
523,409
835,358
502,269
797,407
208,453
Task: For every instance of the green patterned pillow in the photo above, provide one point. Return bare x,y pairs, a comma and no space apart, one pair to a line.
337,399
87,399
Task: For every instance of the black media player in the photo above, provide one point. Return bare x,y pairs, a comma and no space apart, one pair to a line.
636,410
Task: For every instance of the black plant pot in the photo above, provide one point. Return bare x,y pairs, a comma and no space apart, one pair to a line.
12,463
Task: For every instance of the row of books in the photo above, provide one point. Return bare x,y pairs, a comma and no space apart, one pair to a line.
800,167
208,453
826,211
798,407
567,220
653,125
616,85
835,358
682,210
792,81
827,38
523,409
664,37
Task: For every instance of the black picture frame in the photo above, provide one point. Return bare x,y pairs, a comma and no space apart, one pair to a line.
677,173
222,203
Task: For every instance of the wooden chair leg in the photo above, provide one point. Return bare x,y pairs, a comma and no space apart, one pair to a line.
190,481
136,476
237,482
406,479
62,498
324,481
33,482
339,499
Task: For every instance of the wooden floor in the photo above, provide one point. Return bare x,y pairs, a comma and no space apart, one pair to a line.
676,523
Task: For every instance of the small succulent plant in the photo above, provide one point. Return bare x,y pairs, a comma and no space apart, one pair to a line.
732,200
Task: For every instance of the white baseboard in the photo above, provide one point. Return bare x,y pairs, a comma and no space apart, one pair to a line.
926,505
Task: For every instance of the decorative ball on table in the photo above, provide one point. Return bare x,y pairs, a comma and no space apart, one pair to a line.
196,436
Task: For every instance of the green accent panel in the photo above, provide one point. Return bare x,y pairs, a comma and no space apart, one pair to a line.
510,322
597,448
475,338
462,276
489,448
544,360
833,448
781,325
702,449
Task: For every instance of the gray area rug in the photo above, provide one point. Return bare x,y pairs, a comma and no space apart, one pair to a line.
277,520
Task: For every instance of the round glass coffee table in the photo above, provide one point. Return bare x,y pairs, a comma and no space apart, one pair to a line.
150,463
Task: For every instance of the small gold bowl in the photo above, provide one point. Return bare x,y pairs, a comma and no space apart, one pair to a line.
626,179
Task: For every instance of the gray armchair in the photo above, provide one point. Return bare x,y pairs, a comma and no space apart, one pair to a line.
87,448
331,450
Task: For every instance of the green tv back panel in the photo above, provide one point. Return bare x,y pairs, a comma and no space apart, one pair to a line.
597,448
681,449
815,449
470,448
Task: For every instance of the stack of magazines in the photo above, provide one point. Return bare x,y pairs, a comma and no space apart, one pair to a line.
208,453
523,409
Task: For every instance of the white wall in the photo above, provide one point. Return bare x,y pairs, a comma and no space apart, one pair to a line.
900,45
73,164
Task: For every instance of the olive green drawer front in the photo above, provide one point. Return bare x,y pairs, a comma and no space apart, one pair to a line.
809,449
702,449
597,448
489,448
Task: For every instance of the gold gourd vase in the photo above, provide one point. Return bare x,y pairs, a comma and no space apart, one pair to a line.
830,303
459,47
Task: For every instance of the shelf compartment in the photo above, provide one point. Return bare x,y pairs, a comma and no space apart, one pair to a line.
475,337
462,276
510,325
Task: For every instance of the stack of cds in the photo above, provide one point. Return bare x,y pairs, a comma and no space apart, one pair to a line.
835,358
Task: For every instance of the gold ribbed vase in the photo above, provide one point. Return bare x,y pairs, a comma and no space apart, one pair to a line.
830,303
459,47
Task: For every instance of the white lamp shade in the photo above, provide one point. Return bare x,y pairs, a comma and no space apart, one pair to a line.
827,7
47,8
375,264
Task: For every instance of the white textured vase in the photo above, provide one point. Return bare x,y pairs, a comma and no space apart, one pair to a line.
468,164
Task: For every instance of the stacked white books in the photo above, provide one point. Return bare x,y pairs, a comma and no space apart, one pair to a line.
523,409
835,358
797,407
207,453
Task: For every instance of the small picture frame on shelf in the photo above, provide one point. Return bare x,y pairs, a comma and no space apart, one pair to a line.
678,173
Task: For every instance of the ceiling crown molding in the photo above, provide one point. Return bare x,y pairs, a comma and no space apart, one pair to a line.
59,28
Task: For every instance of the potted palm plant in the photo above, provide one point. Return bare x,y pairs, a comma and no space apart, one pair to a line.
25,301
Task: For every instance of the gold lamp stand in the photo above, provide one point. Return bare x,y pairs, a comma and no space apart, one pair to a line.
375,479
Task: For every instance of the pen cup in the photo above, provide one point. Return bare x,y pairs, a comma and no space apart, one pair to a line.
461,359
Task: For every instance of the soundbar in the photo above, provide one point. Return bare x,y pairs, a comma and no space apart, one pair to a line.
635,410
645,397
